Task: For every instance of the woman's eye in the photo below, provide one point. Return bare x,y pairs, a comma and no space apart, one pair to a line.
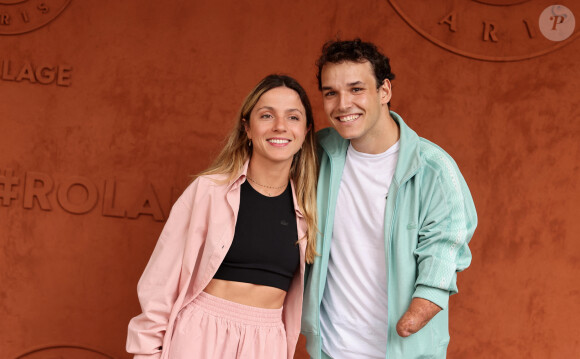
295,118
266,115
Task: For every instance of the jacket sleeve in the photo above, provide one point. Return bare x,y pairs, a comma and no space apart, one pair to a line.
158,287
447,223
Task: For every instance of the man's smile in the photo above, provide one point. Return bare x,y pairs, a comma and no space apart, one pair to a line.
348,118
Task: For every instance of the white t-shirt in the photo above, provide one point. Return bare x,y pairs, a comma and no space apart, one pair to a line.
353,313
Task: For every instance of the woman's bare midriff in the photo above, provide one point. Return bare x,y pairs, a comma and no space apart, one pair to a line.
254,295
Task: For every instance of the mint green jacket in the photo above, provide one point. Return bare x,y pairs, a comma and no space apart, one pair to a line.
429,219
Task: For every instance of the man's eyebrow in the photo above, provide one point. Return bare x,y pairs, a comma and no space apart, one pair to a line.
350,84
356,83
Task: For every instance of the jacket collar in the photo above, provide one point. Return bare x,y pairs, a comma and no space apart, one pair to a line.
409,160
240,178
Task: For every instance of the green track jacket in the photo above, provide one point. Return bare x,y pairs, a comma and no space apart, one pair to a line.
429,219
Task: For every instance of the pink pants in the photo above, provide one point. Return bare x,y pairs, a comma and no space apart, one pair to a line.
214,328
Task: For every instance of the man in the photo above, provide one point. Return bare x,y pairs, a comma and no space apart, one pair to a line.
395,216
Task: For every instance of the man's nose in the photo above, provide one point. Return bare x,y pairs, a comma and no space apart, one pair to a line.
344,102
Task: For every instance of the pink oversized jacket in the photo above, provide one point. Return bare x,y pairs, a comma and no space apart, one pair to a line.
190,249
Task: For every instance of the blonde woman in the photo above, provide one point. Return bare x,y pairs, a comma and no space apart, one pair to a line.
226,277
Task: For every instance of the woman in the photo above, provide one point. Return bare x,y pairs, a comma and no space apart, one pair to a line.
226,277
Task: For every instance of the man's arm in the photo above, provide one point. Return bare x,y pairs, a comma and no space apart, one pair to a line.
448,221
420,312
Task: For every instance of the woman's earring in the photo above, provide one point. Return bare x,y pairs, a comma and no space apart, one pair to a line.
249,143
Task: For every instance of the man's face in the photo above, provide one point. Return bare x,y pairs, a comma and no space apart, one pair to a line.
352,102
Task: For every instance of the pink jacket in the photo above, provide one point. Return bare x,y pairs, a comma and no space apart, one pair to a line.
190,249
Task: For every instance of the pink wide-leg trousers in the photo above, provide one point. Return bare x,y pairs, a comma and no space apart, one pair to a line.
214,328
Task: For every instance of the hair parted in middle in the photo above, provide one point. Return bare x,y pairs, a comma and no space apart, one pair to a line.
304,169
337,51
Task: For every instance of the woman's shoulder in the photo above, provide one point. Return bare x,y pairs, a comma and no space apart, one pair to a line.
202,188
211,182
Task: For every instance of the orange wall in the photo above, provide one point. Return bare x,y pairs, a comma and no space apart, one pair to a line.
147,91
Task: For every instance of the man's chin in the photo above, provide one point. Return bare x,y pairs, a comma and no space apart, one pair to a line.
347,136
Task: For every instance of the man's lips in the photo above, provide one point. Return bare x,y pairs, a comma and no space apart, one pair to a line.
347,118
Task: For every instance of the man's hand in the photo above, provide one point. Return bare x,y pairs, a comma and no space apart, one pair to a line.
420,312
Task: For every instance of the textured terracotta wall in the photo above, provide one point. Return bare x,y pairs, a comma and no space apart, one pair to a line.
108,108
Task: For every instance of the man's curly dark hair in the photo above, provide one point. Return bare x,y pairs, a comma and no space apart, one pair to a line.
336,51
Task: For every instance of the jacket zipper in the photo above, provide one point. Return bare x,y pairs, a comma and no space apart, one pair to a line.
330,160
387,258
387,245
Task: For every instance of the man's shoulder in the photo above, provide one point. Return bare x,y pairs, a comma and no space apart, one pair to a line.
329,139
436,159
431,151
327,133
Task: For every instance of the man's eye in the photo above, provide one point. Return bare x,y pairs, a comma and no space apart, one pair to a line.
329,93
357,89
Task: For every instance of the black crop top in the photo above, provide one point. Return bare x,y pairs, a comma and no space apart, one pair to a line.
264,249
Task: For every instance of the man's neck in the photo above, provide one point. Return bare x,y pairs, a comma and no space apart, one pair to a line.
384,135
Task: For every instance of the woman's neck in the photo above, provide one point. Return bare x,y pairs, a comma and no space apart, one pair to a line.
268,179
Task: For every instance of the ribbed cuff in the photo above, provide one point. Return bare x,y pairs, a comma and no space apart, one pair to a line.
435,295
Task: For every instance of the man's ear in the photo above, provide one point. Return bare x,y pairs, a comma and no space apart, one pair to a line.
385,92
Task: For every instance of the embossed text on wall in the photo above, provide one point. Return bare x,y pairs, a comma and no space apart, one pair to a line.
45,74
493,30
81,195
22,16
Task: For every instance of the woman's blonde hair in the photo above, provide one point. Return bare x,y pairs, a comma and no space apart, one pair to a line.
304,169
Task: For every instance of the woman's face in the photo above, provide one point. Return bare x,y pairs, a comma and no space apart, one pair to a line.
277,126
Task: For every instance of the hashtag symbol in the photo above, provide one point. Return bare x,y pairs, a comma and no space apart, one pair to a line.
7,181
